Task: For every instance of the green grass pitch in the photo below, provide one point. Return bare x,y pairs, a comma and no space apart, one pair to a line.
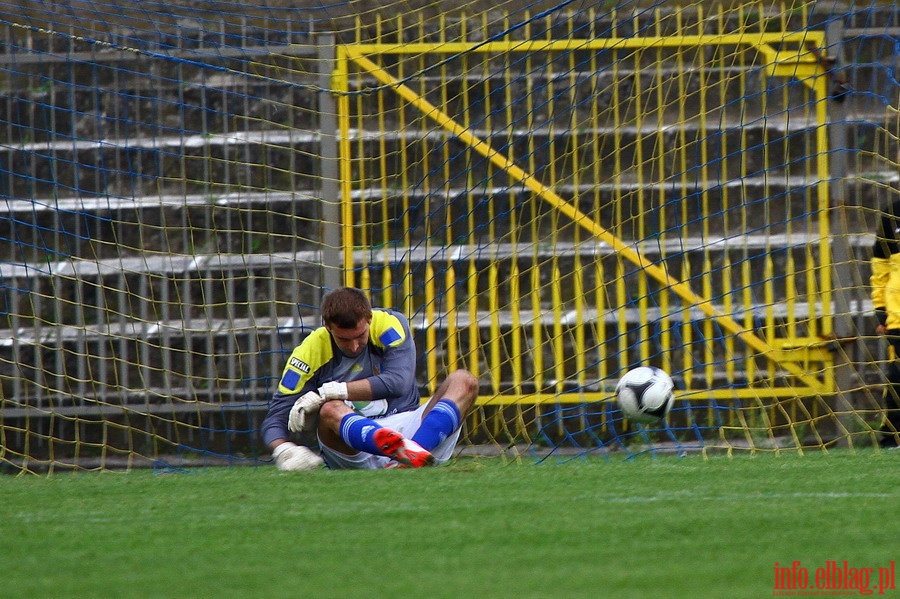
649,527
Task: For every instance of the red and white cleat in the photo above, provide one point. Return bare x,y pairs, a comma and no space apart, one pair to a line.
407,453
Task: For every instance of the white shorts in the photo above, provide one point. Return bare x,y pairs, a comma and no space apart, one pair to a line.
405,423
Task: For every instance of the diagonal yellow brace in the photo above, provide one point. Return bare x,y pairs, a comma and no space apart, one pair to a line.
516,173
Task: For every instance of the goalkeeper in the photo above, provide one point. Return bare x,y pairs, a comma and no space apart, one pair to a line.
353,382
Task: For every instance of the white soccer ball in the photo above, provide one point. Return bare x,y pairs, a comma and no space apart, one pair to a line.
645,394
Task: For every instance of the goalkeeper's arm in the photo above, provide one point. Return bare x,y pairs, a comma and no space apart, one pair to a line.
302,416
294,413
284,417
275,424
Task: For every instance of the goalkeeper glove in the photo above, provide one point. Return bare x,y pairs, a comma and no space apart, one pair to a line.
290,457
333,390
302,414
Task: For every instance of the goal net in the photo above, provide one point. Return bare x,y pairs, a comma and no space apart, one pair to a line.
554,193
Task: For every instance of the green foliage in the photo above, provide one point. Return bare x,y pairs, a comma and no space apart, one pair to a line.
651,527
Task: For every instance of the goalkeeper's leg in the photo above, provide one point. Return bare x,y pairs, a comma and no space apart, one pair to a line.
446,409
343,430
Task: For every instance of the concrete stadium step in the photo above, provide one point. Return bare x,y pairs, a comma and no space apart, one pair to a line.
283,160
209,287
125,357
101,228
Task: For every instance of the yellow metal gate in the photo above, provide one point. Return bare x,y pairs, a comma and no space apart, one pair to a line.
553,211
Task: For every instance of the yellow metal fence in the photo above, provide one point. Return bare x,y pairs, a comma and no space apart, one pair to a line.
556,211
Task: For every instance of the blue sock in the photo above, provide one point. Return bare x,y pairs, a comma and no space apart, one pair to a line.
438,424
357,431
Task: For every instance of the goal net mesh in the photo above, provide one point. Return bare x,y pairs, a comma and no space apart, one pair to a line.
554,193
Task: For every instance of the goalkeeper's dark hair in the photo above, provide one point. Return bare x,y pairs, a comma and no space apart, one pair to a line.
344,307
